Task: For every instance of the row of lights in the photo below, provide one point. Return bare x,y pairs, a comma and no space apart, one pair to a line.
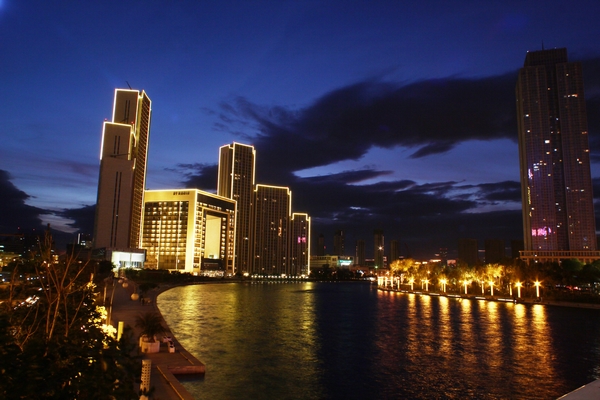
443,283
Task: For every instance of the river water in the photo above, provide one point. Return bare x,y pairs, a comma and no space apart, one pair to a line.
349,341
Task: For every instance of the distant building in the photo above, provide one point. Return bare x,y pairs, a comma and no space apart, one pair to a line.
378,249
494,250
321,245
394,251
332,261
468,251
272,210
123,172
236,180
556,183
189,230
299,253
360,253
516,247
338,243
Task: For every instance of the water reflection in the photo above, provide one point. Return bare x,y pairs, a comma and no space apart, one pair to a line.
315,341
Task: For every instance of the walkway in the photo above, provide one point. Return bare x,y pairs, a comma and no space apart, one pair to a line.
164,364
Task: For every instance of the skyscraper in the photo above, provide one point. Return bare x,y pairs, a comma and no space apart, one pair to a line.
299,253
360,253
272,211
556,184
338,243
123,172
378,248
468,251
236,181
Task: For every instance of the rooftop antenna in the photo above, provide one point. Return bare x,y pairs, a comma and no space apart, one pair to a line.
132,89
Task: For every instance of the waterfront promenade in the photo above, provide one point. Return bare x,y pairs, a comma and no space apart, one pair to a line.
165,365
487,297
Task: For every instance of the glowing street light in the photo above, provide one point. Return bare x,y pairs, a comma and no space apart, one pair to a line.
466,282
537,288
411,281
443,282
491,287
518,285
426,281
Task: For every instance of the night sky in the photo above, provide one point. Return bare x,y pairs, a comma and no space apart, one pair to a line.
378,114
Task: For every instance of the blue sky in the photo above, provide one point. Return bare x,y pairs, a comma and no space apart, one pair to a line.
379,115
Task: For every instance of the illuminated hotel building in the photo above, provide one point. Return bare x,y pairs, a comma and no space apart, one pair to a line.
189,230
299,252
272,206
556,184
123,172
236,181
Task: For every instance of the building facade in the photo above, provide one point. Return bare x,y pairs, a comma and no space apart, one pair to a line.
556,184
360,255
189,230
468,251
338,243
122,177
272,206
299,253
378,248
236,180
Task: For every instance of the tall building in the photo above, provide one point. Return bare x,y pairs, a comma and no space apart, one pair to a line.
189,230
299,252
338,243
495,250
321,245
556,184
122,178
378,248
394,251
236,181
468,251
272,210
360,253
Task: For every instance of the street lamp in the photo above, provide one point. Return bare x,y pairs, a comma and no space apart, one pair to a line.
465,282
518,285
426,284
411,281
537,288
491,287
443,282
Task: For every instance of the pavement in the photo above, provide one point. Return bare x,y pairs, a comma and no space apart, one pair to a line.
165,365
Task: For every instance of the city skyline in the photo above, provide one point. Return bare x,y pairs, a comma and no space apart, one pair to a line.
399,118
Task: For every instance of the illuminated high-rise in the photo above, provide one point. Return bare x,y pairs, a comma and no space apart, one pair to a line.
236,181
272,210
189,230
556,184
299,253
122,178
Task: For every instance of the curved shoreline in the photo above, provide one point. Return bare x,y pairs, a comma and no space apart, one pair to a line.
165,366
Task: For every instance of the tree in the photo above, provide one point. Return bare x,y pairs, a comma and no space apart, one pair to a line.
52,334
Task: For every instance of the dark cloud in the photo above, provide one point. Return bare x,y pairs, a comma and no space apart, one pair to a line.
15,213
429,116
83,218
199,176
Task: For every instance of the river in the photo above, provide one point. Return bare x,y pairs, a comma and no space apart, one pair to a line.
314,340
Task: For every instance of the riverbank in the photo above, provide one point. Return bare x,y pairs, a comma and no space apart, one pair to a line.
503,299
166,366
